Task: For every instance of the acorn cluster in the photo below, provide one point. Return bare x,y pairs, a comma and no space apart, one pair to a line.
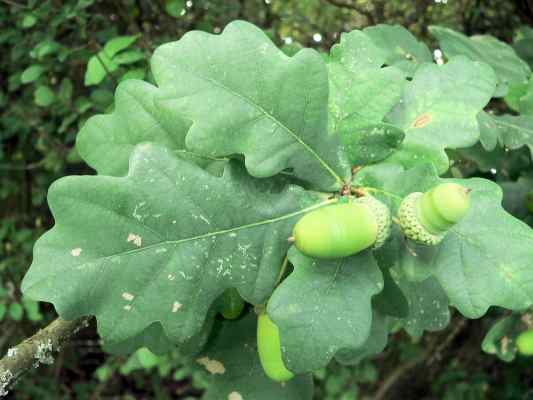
344,229
347,228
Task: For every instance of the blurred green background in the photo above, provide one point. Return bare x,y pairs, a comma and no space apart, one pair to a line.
60,63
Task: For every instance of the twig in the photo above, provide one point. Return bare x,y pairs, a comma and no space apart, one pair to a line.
437,353
108,73
12,3
428,358
396,375
354,7
36,350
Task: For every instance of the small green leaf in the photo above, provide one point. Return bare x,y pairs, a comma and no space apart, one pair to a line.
28,21
137,73
32,73
500,339
98,68
44,96
45,48
175,8
65,90
104,372
129,57
16,311
118,43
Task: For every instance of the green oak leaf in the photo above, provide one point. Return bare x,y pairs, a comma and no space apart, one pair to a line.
361,94
520,97
438,111
106,141
509,131
500,56
324,306
485,259
155,245
411,293
428,306
244,95
500,339
375,344
391,301
514,196
371,143
155,339
236,373
523,44
400,47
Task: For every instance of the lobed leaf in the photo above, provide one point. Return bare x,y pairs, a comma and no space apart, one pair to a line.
400,47
155,245
509,131
438,111
485,259
106,141
324,306
361,94
508,67
245,96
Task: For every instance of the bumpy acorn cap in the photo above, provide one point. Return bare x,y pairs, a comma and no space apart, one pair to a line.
411,227
382,215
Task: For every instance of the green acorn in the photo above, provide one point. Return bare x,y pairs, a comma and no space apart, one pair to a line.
269,348
426,217
341,230
232,304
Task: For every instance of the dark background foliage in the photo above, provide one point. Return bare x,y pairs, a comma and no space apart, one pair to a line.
53,77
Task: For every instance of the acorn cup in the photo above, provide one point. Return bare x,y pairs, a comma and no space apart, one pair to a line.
427,217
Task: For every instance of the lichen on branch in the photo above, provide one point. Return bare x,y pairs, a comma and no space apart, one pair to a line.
36,350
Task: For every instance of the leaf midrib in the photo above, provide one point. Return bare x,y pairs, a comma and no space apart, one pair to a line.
216,233
270,117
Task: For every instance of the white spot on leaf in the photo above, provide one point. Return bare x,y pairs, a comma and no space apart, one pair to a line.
127,307
75,252
176,306
212,366
136,239
235,396
127,296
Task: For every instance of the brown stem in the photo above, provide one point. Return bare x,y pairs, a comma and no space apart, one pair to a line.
355,7
36,350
